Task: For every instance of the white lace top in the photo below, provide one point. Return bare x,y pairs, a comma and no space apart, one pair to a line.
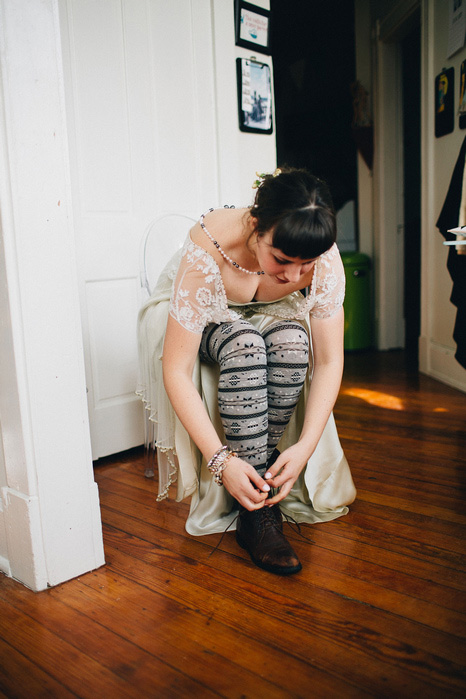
198,295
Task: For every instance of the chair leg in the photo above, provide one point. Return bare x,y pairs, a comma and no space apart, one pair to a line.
149,470
149,447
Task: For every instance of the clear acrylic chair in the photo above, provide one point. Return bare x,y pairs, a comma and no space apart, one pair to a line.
161,239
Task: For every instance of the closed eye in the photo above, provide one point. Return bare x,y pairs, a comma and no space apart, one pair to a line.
281,261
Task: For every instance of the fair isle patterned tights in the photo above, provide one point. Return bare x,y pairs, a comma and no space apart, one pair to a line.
261,377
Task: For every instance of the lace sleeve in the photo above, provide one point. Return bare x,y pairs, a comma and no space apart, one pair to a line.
329,285
198,295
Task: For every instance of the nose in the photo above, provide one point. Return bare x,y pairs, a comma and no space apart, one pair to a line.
293,273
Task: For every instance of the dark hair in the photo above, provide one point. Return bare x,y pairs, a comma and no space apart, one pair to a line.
297,207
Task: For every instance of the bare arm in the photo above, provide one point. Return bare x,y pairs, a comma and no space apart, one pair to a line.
181,348
327,340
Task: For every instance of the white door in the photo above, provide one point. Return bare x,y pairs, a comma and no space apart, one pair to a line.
138,83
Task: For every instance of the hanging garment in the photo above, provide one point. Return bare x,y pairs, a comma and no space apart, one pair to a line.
453,214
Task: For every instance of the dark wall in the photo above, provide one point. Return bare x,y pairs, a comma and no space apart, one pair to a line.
313,51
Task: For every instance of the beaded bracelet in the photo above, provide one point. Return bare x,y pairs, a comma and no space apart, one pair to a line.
218,463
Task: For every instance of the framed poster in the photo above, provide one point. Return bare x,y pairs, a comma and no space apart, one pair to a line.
254,96
252,26
462,100
444,102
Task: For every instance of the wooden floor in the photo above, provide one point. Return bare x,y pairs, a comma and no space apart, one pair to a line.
379,609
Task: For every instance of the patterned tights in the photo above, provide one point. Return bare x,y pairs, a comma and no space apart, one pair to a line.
261,378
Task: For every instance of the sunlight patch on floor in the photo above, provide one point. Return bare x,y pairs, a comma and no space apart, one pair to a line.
381,400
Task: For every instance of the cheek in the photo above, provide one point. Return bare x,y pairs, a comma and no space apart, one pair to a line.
268,263
272,267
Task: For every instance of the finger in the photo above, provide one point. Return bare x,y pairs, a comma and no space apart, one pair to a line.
281,495
274,469
254,495
258,481
250,505
279,480
273,501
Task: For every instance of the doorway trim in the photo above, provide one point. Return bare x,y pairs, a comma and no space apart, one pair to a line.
388,176
388,201
50,526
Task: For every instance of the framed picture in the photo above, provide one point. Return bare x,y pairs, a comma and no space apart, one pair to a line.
254,96
444,102
252,26
462,100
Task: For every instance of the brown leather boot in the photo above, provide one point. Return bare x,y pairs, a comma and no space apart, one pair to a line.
260,532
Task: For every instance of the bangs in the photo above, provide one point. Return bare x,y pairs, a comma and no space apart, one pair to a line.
305,233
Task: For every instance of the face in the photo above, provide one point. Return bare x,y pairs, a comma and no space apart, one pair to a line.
280,267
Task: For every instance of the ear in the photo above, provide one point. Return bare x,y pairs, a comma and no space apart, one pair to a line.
253,221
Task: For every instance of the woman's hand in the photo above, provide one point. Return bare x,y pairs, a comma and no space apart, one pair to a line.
285,471
244,483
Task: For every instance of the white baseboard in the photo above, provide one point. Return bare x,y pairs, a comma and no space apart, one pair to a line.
5,566
439,362
24,538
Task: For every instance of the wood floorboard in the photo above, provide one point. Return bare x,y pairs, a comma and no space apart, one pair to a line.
20,677
324,581
83,627
175,523
177,622
378,610
286,623
428,543
120,505
46,649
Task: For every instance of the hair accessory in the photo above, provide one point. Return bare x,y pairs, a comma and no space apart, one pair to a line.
218,463
262,175
222,252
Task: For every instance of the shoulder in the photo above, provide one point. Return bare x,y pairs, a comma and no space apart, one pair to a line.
332,257
219,229
212,222
330,264
329,290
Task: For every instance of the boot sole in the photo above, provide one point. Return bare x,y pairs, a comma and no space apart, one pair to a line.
278,570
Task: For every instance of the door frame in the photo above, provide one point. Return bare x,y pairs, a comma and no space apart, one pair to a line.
50,525
388,176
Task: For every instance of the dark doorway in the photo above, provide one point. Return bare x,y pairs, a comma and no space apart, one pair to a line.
314,66
411,81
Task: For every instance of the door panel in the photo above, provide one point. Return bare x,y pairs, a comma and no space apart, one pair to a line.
139,87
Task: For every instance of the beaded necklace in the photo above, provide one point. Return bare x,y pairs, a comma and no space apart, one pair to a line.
222,252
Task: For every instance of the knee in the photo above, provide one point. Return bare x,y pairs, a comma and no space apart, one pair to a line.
241,339
287,336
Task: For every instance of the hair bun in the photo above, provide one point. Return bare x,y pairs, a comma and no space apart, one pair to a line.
262,175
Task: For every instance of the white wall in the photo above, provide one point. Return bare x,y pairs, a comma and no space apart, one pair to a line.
240,155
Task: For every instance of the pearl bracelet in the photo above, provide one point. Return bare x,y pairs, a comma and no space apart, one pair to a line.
218,463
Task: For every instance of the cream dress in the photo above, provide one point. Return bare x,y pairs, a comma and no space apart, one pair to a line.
191,289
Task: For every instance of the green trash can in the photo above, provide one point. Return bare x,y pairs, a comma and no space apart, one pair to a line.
358,307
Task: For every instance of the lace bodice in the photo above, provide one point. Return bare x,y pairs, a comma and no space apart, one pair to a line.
198,296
